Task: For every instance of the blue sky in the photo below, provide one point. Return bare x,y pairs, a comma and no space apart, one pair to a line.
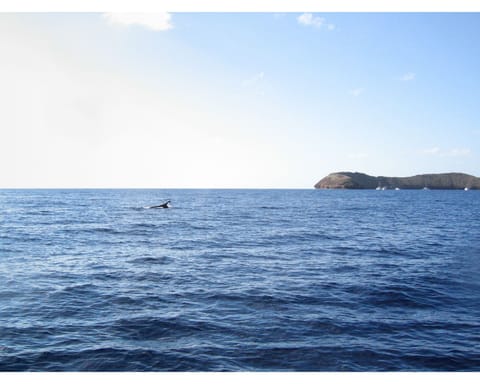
256,100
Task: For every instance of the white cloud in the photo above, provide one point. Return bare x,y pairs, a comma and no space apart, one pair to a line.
431,151
356,91
454,152
254,80
358,156
156,21
408,76
458,152
310,20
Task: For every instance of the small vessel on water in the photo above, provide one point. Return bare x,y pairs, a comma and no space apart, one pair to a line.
466,189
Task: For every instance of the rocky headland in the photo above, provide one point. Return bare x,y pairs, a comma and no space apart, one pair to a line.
356,180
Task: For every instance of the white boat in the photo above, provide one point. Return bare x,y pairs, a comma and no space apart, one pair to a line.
466,189
397,189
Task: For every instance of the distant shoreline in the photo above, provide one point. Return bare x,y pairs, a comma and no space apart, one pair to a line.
356,180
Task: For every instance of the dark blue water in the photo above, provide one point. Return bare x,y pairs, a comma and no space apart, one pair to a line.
239,280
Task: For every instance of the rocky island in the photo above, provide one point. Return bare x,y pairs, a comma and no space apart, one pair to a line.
356,180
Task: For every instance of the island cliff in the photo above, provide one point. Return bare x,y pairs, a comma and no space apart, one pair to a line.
355,180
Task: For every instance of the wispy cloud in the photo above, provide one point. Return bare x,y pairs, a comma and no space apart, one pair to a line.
310,20
409,76
431,151
155,21
358,156
453,152
458,152
356,92
254,80
255,84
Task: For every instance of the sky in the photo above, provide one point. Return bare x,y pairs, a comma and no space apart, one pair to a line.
235,100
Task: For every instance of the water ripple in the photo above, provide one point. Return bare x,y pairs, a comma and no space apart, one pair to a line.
301,280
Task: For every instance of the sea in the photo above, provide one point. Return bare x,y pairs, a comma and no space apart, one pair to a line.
239,280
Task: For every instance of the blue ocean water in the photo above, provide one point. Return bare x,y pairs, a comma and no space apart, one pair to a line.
236,280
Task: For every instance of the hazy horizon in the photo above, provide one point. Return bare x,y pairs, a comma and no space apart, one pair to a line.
235,100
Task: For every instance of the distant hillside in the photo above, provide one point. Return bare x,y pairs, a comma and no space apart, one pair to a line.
355,180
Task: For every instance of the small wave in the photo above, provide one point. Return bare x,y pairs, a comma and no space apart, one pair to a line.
151,260
40,212
125,300
108,276
12,332
105,230
145,225
345,268
77,289
400,296
108,359
298,238
148,328
101,359
153,277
